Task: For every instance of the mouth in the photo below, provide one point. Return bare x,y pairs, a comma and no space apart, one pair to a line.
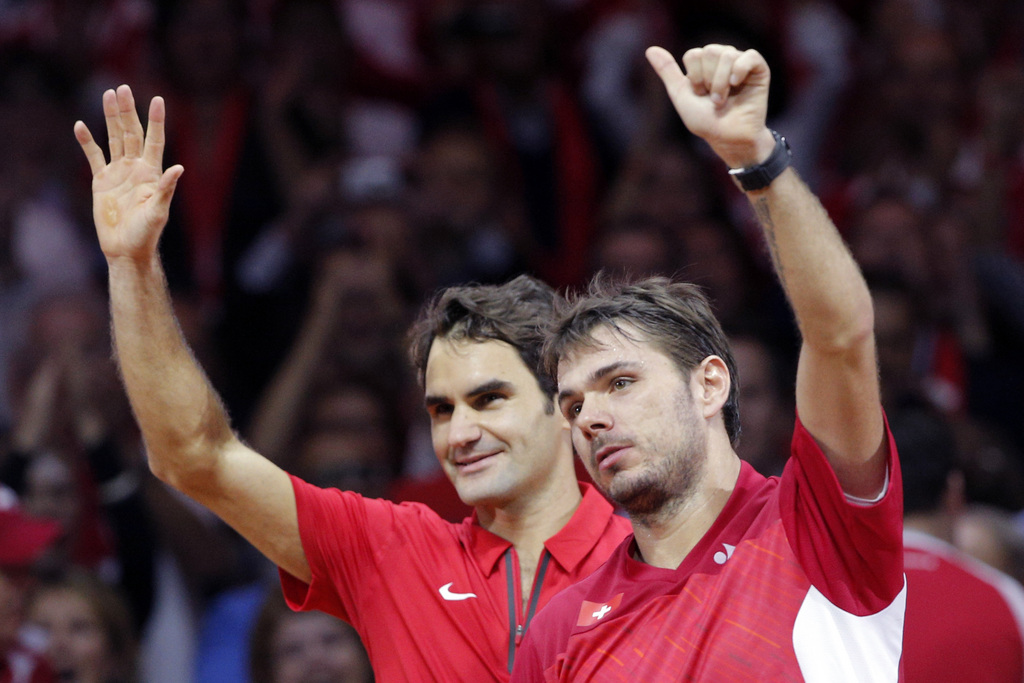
607,456
469,461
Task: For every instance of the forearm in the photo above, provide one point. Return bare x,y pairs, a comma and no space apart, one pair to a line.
837,386
829,296
182,419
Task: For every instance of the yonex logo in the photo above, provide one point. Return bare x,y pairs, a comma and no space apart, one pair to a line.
721,557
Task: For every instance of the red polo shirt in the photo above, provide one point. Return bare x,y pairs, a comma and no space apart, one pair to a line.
794,581
434,600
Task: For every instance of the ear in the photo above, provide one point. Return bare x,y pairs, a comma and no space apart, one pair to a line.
713,383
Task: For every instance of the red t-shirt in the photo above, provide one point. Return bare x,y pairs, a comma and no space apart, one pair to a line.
432,600
792,582
965,620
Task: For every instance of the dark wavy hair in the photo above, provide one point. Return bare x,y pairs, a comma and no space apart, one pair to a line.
519,313
675,316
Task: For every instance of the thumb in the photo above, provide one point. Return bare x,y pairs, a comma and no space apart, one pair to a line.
167,184
667,68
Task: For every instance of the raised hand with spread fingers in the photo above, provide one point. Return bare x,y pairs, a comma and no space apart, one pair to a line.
189,440
131,193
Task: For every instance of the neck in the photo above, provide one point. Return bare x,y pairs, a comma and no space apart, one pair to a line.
666,538
528,521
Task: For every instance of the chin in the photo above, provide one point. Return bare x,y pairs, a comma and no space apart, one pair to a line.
640,496
490,496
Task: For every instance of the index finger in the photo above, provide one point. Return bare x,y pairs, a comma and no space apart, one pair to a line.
153,151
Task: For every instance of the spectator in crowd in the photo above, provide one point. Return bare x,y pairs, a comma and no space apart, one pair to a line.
992,535
470,227
75,456
231,193
349,441
293,647
42,246
766,402
529,113
75,453
87,629
633,246
26,544
965,620
351,330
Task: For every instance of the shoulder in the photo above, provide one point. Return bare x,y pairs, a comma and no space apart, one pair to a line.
926,555
324,506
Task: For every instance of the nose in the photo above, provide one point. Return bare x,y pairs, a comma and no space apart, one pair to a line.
463,429
593,417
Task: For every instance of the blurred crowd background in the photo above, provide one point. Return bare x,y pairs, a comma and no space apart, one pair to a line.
345,158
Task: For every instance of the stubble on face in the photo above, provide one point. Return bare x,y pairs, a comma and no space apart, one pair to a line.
676,459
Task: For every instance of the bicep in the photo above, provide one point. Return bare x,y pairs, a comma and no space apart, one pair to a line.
839,402
256,498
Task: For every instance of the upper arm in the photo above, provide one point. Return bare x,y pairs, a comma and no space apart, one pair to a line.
257,499
839,402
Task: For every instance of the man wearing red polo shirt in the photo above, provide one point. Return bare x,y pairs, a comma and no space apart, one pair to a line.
730,576
433,601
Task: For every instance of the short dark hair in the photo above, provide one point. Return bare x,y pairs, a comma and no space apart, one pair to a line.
676,317
518,313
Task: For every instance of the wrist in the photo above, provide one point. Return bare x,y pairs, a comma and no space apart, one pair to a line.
762,174
750,153
126,265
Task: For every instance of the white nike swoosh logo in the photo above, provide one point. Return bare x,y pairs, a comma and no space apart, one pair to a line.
447,594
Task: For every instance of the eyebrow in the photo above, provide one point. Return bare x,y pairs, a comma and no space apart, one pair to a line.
485,388
598,375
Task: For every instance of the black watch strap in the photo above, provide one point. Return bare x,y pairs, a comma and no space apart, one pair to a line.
761,176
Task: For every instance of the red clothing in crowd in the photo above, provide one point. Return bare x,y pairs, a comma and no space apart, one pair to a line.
793,582
19,665
432,600
965,620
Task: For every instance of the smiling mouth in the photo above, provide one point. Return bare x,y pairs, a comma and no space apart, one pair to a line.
467,460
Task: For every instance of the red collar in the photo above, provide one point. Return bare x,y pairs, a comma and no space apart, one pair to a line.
568,547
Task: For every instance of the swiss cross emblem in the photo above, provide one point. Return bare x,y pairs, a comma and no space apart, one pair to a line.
593,612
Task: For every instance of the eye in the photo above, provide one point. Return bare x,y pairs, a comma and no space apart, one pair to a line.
489,399
440,410
571,410
621,383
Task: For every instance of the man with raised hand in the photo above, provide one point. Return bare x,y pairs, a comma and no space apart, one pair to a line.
729,575
431,600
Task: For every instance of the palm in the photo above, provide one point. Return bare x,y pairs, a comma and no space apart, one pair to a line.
131,194
128,221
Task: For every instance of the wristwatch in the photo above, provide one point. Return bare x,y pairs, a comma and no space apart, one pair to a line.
761,176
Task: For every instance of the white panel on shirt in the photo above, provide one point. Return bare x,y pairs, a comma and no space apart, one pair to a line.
833,646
